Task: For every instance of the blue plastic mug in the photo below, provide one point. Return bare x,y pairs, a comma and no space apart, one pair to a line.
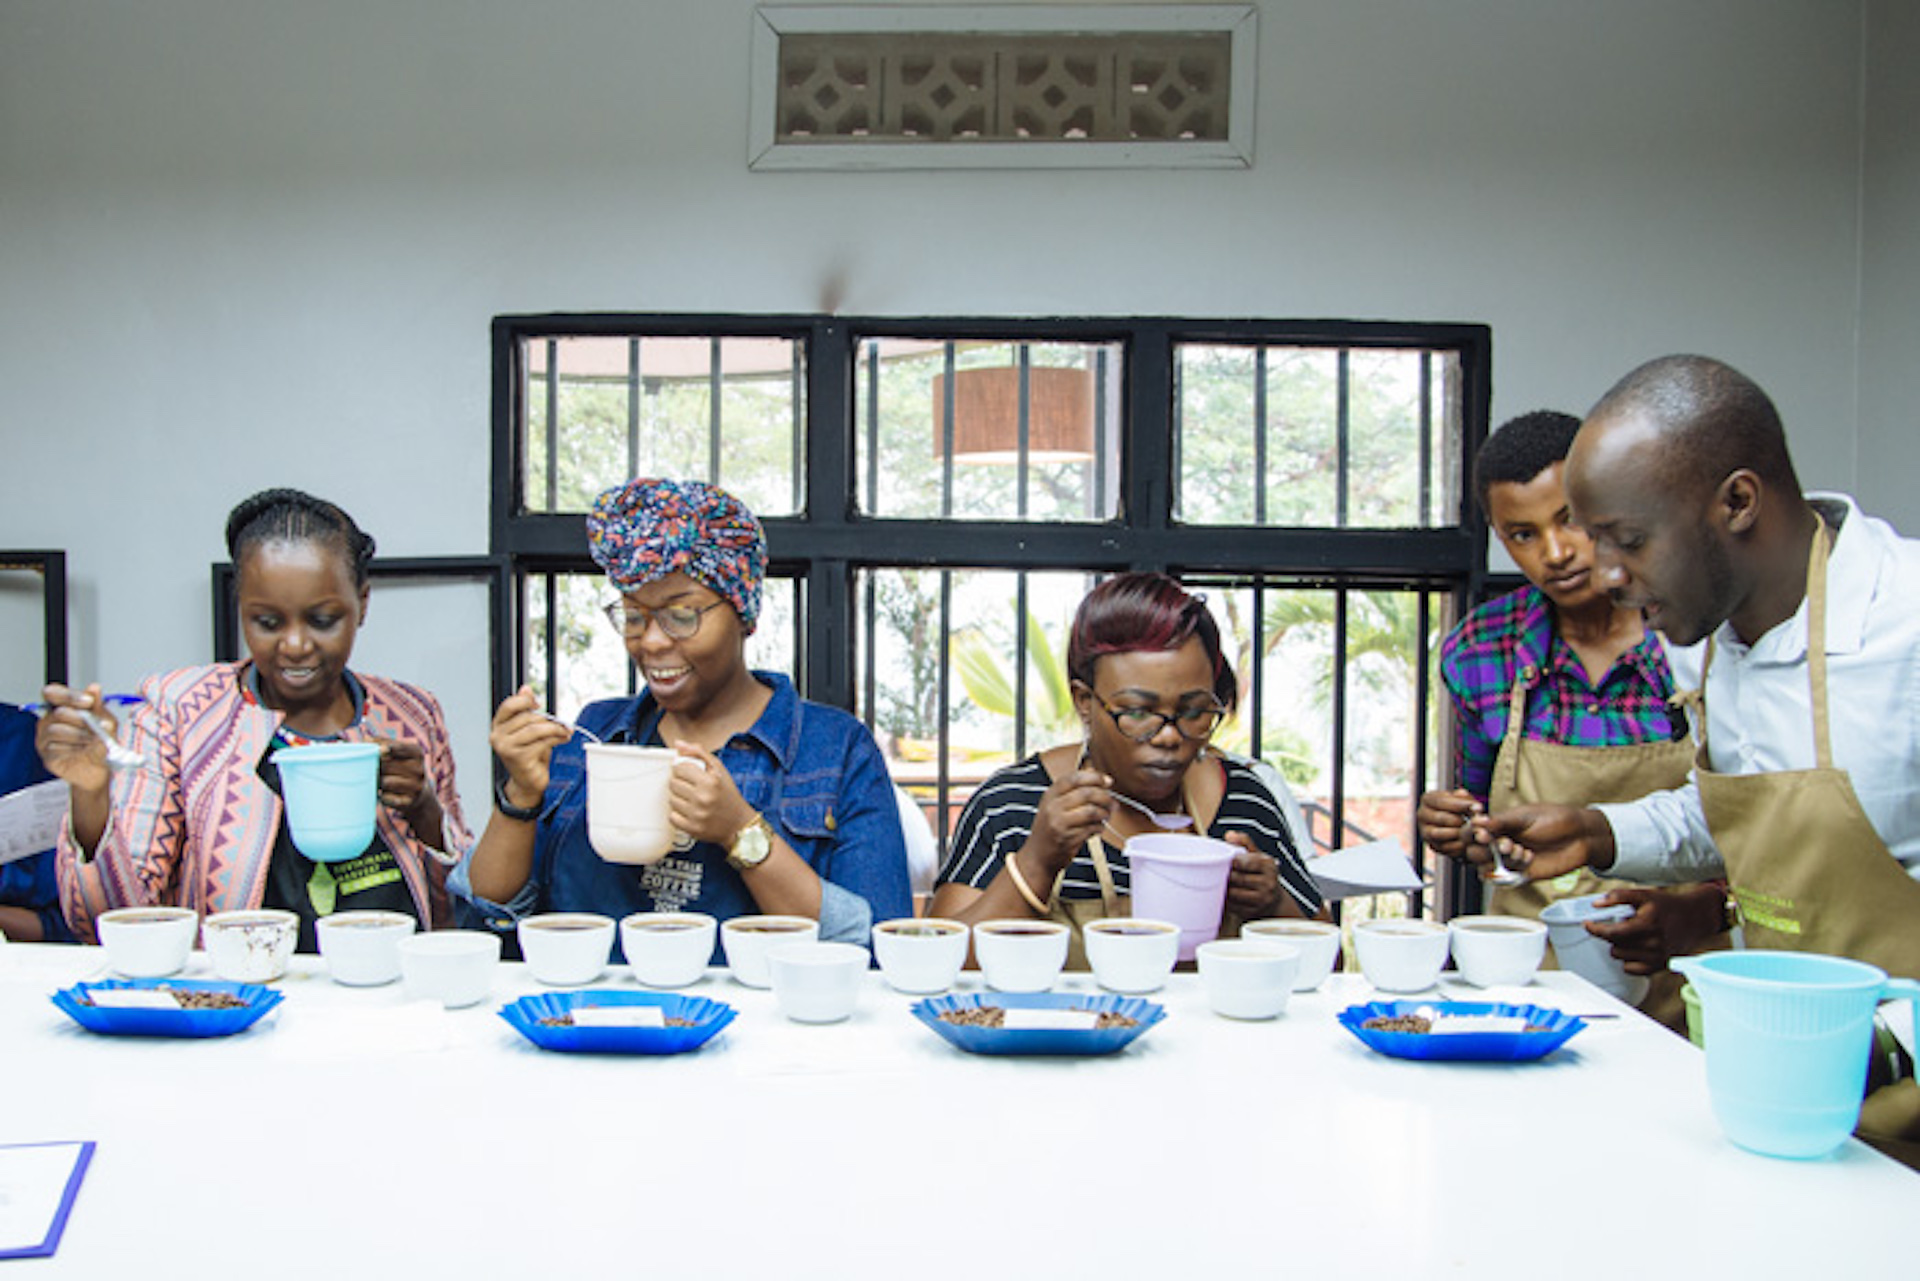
1787,1040
331,792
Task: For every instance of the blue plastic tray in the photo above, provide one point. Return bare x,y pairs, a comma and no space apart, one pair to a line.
1556,1027
126,1022
706,1017
999,1040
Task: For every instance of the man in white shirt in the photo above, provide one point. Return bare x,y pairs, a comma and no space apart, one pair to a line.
1806,787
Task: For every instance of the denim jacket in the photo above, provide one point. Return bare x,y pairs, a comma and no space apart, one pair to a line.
812,770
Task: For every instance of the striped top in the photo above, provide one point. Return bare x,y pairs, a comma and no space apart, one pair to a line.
999,817
1514,634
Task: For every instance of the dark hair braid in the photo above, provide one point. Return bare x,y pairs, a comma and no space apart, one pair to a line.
291,515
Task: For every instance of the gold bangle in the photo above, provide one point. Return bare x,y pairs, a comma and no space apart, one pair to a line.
1020,883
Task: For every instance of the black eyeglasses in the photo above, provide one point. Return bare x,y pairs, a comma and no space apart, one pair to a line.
677,621
1143,723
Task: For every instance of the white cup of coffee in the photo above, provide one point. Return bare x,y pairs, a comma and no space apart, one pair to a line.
250,946
1248,978
627,806
1130,954
1497,951
668,949
1318,941
362,949
921,954
1021,955
1400,954
746,940
147,942
566,949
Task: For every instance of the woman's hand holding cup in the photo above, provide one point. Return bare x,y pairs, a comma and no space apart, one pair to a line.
703,800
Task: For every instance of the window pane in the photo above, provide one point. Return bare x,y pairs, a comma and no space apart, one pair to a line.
915,397
995,709
588,660
717,409
1317,437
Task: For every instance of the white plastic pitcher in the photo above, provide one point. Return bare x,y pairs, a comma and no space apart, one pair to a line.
627,802
1788,1035
1182,879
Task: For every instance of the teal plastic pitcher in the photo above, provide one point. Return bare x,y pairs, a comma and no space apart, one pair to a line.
331,791
1787,1039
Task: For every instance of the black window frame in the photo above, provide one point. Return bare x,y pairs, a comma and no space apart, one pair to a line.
828,541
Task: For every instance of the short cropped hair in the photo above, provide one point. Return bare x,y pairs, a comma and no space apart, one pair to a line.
1713,418
1521,449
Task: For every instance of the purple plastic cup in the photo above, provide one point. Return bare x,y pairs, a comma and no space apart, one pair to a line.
1182,879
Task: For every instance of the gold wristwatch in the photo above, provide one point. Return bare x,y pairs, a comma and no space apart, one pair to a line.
750,845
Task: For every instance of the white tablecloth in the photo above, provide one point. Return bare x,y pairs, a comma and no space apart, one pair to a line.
353,1133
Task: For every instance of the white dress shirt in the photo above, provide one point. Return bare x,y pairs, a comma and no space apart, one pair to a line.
1759,714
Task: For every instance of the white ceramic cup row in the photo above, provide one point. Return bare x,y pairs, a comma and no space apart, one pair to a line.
1407,955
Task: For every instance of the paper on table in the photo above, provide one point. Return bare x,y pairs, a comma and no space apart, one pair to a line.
1374,868
38,1182
30,819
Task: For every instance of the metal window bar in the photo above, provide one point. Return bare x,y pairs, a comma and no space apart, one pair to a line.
1258,660
633,407
553,424
1260,436
943,780
1422,687
1426,448
1019,661
1343,438
1025,415
716,378
1337,798
551,584
946,456
797,395
1098,489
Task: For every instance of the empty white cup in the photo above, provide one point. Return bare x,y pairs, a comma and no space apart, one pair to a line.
1131,954
816,982
566,949
668,949
1248,978
627,801
453,967
746,940
921,954
1590,957
147,942
1318,941
362,949
1021,956
1497,951
250,946
1400,954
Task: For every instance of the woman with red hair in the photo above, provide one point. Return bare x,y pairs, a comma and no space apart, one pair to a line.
1045,837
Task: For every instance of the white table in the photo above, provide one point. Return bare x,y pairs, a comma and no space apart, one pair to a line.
353,1133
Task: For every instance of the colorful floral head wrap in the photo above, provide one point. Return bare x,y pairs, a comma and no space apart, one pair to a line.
646,529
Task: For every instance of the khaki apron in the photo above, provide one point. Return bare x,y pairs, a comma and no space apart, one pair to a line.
1810,873
1527,771
1074,913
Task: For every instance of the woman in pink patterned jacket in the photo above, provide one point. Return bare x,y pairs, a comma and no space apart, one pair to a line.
199,823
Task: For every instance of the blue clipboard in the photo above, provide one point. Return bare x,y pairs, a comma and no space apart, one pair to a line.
83,1154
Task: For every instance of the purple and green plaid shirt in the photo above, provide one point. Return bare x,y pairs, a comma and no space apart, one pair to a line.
1479,659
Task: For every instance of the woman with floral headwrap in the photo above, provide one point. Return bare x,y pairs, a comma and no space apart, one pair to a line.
793,813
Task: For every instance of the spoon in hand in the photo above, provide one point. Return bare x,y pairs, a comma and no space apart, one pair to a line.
1502,874
588,734
1165,822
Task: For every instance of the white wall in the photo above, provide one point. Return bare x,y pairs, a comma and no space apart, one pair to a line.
1889,472
254,242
